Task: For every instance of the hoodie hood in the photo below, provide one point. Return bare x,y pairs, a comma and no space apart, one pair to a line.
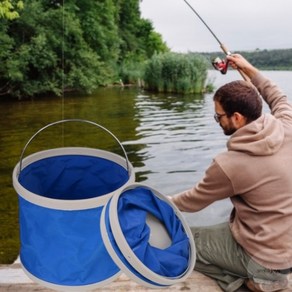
261,137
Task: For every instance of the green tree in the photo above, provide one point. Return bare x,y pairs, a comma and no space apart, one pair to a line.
138,38
7,9
79,45
138,41
100,31
48,56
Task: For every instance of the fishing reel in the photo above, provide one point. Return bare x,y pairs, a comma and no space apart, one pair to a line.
220,65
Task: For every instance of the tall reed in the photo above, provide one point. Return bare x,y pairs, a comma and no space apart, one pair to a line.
176,72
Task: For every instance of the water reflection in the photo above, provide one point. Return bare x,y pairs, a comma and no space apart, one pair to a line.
169,139
163,121
176,131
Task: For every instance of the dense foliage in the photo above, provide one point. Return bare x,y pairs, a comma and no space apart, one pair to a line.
57,45
52,46
8,9
264,59
174,72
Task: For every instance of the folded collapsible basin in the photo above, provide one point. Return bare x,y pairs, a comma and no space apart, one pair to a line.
147,237
62,192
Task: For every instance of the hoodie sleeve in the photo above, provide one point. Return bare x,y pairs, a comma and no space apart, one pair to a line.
275,98
213,187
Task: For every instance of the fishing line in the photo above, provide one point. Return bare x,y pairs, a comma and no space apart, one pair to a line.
63,72
218,64
63,61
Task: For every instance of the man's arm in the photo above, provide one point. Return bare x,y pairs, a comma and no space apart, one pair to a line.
271,93
213,187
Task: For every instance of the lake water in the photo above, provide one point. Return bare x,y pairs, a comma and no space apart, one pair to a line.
169,139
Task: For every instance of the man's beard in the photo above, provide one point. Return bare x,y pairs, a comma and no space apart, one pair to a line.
229,130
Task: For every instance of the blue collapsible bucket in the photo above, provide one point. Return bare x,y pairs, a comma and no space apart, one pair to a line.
62,192
147,237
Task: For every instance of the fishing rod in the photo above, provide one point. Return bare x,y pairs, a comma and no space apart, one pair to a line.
221,65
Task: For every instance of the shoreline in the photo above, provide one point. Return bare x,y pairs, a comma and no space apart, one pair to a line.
13,279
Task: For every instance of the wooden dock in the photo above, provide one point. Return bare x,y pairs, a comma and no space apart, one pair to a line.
13,279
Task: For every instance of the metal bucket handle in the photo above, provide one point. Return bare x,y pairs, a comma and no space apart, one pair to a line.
73,120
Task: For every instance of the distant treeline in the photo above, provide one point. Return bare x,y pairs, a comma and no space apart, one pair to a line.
263,59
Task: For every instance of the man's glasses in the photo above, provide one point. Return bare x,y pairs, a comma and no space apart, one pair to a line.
217,117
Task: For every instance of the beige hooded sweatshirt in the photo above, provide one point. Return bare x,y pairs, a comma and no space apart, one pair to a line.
256,173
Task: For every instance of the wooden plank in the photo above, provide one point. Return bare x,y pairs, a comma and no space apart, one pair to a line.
13,279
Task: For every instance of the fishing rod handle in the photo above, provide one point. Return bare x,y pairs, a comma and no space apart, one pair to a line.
224,49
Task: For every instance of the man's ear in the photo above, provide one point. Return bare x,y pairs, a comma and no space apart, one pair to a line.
239,120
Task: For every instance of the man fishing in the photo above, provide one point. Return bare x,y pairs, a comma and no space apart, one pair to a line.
255,247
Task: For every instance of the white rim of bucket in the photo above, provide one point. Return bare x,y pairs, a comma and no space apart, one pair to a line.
57,287
115,257
128,252
126,249
81,204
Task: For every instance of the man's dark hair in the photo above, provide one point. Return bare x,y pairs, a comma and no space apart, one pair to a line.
240,96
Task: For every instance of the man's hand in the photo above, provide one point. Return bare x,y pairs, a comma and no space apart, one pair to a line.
240,63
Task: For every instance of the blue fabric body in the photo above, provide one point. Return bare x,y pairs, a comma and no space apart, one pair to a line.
132,211
133,206
65,247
